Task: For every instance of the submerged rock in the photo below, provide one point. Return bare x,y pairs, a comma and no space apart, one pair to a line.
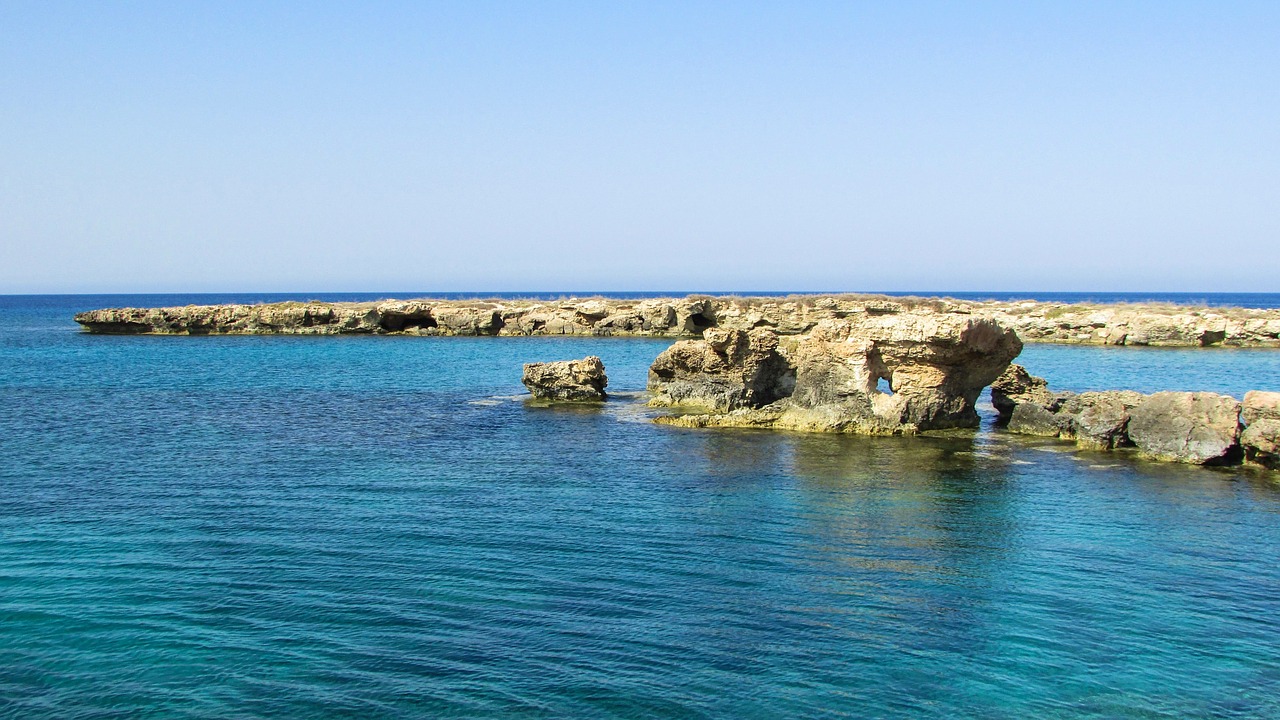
566,379
879,373
1260,415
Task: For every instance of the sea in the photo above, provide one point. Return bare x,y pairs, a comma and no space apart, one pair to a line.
384,527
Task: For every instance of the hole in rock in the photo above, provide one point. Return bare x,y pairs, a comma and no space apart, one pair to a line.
882,386
395,322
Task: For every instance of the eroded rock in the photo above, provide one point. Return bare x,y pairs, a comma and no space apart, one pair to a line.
1260,439
726,370
877,373
1100,420
1122,324
572,380
1200,428
1097,420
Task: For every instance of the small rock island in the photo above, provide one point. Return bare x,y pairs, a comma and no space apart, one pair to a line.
566,380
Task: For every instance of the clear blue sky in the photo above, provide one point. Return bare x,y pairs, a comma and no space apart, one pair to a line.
224,146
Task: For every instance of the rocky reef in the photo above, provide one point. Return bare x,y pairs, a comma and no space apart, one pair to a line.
1189,427
661,317
571,380
1121,324
878,374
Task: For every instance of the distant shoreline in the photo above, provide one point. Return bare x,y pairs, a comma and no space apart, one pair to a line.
1247,300
1118,323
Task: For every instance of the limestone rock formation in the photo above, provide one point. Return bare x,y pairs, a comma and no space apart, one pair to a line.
1120,324
572,380
933,366
1026,406
726,370
1260,414
1201,428
1140,324
1100,420
1197,428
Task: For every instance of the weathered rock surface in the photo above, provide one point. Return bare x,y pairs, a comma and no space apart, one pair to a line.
726,370
933,366
1198,428
1201,428
1026,406
1260,415
1121,324
1140,324
573,380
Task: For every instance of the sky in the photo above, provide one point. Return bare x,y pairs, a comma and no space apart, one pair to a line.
691,146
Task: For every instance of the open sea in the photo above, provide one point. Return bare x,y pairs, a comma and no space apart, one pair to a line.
381,527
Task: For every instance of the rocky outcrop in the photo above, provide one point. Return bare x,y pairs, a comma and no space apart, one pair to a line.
1026,406
1189,427
893,373
726,370
1139,324
1260,415
572,380
1200,428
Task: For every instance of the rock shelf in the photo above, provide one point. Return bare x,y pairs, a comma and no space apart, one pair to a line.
1037,322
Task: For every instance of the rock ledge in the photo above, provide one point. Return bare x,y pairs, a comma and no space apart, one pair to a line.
1198,428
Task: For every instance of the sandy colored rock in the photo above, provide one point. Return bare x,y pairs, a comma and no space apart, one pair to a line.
1261,443
1259,405
1119,324
879,373
1097,419
1016,386
1100,420
572,380
726,370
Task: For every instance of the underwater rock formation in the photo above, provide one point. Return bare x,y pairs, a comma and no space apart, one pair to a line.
878,374
572,380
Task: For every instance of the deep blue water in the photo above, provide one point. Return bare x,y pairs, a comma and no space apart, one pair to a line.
380,527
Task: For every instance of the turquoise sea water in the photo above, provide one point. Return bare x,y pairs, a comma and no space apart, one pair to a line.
381,527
